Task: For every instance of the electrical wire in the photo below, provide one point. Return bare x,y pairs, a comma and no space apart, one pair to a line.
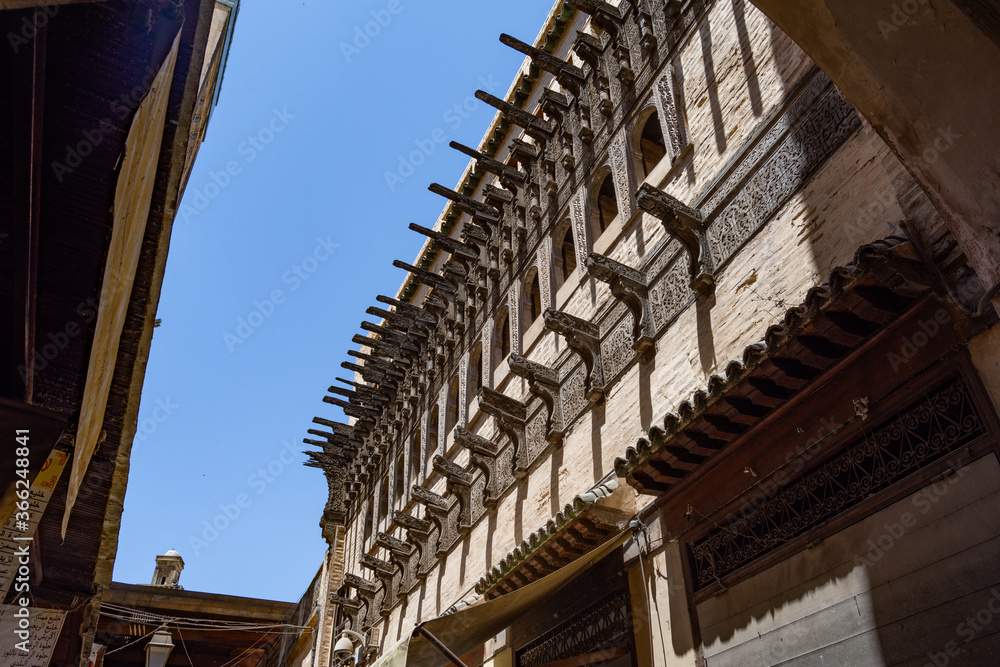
184,646
120,648
133,615
246,651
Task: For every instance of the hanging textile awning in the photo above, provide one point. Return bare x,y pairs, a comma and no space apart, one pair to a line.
471,626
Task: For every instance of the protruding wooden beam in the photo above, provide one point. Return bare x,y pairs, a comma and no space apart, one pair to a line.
540,130
408,309
481,213
604,14
508,175
454,247
426,277
570,76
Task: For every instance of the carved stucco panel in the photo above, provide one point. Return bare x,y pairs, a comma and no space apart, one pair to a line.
669,293
616,349
544,265
487,342
442,411
621,169
581,234
463,388
671,117
514,313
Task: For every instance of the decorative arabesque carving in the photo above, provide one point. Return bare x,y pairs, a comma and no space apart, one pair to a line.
621,167
349,608
412,525
629,286
334,468
360,584
672,123
514,313
366,592
607,623
417,531
625,72
584,338
800,141
588,48
463,381
510,415
689,227
938,424
578,208
544,266
387,573
543,382
647,39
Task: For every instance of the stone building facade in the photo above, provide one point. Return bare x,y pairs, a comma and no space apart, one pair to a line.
691,370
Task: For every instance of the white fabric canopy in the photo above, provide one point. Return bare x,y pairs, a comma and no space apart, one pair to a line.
469,627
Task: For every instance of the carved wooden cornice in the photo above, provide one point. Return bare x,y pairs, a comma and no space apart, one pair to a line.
459,484
589,49
360,584
411,523
429,499
382,569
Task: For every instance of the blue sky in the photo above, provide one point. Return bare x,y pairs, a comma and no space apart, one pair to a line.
281,243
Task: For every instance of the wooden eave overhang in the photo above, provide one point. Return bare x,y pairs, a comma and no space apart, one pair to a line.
583,525
860,300
95,63
218,629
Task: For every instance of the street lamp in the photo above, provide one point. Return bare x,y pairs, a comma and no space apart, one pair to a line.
158,649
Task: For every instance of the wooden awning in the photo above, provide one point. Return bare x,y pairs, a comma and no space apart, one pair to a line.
885,281
583,524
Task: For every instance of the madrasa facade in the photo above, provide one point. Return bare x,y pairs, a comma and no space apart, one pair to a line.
696,367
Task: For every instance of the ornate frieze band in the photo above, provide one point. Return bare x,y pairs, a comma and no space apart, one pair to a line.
778,163
941,422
